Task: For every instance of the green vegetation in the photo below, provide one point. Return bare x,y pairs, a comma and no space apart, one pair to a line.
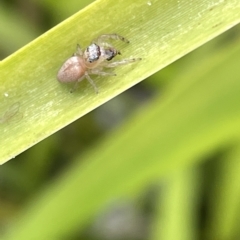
184,139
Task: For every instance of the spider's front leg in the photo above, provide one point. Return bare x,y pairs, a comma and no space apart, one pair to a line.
101,39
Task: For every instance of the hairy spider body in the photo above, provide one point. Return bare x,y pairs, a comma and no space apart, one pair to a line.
92,61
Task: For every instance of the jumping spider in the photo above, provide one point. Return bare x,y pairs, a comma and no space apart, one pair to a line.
92,61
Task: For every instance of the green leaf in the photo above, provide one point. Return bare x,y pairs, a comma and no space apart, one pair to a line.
160,32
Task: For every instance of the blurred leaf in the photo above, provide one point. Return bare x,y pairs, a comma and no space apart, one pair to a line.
224,209
160,32
178,207
60,10
15,31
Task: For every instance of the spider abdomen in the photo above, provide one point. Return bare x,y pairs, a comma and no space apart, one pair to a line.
72,70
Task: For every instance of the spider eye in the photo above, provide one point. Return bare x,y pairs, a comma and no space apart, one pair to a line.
93,52
111,53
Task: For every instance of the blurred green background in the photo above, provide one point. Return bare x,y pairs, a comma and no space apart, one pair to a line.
191,199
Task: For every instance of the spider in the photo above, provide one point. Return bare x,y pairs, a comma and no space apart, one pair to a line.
93,60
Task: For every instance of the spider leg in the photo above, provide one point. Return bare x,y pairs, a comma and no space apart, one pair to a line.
121,62
100,73
76,84
79,51
113,36
91,82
